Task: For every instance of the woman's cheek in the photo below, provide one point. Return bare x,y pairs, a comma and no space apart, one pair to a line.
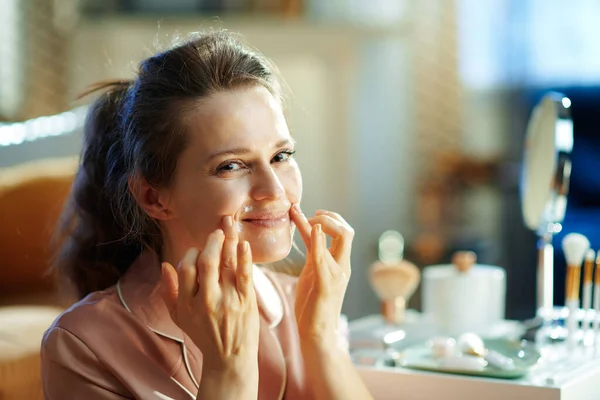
293,183
212,205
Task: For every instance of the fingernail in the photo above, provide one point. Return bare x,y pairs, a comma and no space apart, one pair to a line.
228,222
191,256
318,228
246,246
320,212
296,208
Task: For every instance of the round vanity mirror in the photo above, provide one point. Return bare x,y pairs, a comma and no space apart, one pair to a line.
547,166
545,184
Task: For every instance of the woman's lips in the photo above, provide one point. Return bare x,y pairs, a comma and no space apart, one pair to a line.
268,220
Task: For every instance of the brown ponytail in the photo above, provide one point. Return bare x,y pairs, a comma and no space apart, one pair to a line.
92,254
134,129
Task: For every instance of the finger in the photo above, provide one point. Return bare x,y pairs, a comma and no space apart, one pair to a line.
187,274
339,219
335,216
169,287
229,254
330,226
244,269
348,235
318,245
342,235
210,260
302,224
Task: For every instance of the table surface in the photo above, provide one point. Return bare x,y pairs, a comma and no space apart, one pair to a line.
564,382
563,374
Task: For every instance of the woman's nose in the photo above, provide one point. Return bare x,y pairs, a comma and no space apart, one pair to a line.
267,185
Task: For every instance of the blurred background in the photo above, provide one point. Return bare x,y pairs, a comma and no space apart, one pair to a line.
409,115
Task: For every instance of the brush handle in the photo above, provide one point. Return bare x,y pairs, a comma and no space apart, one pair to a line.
393,310
596,309
572,306
587,305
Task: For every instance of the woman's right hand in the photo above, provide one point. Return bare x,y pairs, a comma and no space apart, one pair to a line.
210,296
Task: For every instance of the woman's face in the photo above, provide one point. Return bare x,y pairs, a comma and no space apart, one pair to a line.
239,162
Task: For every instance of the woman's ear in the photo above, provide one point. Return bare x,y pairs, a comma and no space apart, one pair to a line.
155,202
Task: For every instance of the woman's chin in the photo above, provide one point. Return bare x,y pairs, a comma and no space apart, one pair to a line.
265,253
268,245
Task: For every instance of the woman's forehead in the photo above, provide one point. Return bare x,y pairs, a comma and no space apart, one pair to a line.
249,117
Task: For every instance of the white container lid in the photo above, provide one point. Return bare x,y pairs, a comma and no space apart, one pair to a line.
449,271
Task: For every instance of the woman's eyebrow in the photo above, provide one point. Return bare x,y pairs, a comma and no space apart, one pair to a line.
244,150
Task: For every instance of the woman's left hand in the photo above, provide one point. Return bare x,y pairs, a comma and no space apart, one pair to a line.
324,279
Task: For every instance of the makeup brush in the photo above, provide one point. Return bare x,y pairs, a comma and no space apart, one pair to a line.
588,270
574,246
393,279
597,298
394,284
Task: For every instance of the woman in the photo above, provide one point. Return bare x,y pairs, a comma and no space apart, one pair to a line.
187,179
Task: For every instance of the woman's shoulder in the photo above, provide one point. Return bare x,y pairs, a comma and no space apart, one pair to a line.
86,321
75,335
93,309
100,327
99,347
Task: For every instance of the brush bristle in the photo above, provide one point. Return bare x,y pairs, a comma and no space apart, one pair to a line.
391,281
590,255
575,246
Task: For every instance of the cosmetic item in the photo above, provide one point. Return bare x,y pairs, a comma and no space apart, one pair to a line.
472,344
463,362
575,247
442,346
393,279
597,299
588,271
464,296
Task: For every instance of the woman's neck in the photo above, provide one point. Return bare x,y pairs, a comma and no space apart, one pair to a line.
173,250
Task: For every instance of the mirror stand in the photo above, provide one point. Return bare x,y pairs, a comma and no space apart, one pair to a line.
545,332
545,276
545,185
545,272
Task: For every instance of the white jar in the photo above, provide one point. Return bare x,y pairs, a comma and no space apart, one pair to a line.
470,301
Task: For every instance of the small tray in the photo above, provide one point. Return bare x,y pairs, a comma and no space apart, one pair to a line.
524,354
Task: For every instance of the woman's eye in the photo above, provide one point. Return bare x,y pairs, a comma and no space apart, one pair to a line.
283,156
230,167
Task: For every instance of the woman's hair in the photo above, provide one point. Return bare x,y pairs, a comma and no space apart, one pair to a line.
135,129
